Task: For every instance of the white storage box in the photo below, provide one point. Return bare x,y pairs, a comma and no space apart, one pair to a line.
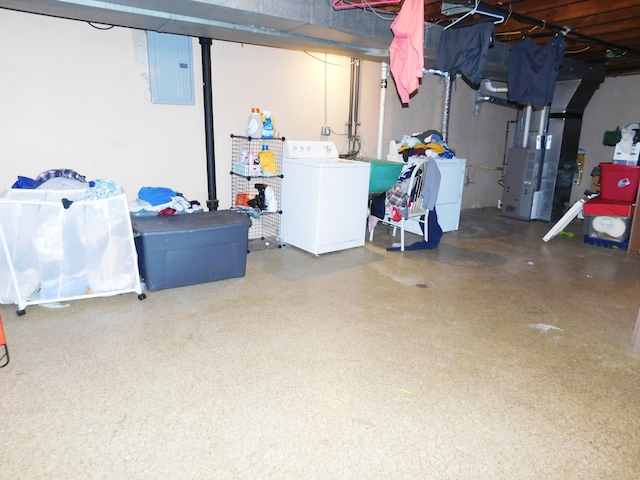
56,245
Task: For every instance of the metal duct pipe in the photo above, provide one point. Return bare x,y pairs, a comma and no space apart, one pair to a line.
542,126
383,95
447,107
527,125
205,43
447,99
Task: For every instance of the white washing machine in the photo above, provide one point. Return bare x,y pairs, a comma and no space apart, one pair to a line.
324,198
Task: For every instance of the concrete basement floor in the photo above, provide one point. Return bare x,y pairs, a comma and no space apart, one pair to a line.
495,356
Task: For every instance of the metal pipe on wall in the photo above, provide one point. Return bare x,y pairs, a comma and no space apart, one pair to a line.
447,99
527,126
542,126
354,108
488,84
447,107
205,43
383,95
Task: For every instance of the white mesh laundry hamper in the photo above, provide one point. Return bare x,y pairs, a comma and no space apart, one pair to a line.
56,245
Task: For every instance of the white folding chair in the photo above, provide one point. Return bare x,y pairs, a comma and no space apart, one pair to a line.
415,208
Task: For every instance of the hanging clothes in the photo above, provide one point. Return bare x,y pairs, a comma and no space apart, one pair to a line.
464,50
406,52
533,70
431,185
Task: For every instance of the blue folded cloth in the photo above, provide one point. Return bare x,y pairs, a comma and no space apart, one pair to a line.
156,195
25,182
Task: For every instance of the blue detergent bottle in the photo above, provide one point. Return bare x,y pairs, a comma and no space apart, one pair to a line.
268,125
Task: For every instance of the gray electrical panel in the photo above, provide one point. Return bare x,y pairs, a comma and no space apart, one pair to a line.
170,68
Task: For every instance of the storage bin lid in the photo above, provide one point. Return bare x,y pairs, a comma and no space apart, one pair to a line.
190,221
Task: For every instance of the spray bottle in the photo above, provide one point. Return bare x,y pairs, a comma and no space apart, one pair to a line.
268,125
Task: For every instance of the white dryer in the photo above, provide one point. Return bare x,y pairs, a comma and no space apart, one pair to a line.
324,198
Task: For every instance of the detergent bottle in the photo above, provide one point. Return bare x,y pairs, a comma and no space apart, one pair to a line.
268,125
267,161
254,124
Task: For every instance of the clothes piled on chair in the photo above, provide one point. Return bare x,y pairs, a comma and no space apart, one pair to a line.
433,238
428,143
395,202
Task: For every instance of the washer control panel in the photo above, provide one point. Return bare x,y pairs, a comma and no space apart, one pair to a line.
309,149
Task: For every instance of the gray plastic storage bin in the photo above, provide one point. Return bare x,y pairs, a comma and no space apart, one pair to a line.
185,249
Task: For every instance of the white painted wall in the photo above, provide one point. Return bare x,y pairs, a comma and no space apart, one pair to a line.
615,104
77,97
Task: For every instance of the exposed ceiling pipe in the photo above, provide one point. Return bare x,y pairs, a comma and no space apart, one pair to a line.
212,202
383,95
555,28
489,86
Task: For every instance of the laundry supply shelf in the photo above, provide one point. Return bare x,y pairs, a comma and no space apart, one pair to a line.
249,183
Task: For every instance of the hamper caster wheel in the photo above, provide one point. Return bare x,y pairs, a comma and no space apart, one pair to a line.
142,296
21,312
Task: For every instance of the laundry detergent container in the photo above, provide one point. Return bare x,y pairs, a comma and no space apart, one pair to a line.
619,182
186,249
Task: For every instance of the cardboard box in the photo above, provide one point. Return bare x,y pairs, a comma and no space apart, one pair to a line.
626,157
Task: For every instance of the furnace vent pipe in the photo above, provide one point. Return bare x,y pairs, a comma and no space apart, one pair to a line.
542,127
447,99
447,107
